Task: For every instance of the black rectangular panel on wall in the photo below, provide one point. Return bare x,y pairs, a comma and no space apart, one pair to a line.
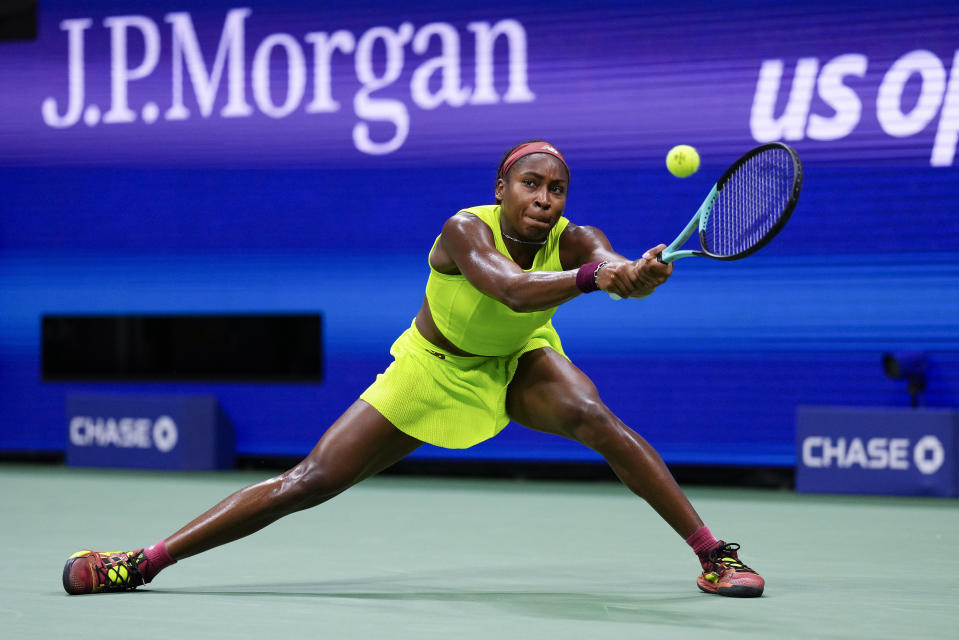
18,20
214,348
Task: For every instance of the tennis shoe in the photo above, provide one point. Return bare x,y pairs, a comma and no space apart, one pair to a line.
725,574
89,571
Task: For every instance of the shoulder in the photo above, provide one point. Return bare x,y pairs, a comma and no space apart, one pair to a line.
463,233
476,223
581,235
464,223
488,213
580,244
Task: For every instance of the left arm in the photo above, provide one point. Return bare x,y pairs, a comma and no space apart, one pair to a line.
622,276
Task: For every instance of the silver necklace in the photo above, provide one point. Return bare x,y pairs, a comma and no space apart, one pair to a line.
509,237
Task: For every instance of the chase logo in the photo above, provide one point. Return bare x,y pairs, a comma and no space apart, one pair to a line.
124,433
928,454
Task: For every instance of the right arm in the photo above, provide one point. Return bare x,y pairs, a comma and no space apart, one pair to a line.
622,276
466,246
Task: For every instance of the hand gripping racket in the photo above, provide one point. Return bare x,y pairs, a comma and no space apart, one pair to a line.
746,207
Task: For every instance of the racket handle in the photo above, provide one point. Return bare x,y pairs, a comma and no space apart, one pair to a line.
671,256
659,257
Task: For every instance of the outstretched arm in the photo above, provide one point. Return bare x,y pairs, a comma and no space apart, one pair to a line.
467,247
622,276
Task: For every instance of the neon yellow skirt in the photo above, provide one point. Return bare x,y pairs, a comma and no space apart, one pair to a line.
447,400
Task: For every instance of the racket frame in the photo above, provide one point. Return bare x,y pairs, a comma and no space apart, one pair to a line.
701,218
698,221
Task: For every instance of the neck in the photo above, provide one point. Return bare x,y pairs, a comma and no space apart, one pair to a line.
537,243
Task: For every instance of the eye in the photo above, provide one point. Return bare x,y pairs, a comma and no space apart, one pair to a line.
558,189
529,182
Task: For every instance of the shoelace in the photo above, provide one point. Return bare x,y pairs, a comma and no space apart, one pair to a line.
114,561
727,555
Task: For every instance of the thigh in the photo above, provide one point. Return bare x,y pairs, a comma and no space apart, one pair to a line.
361,443
549,393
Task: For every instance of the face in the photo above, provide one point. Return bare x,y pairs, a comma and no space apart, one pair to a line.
533,196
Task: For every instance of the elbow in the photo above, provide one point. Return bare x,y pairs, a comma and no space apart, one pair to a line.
521,295
516,304
514,299
526,308
519,305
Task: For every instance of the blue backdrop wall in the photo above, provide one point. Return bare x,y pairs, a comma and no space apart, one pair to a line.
301,156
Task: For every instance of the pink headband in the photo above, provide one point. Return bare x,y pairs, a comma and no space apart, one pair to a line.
530,148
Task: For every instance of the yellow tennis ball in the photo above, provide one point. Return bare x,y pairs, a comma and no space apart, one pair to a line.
682,161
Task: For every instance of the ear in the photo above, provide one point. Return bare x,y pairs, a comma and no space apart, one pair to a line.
499,189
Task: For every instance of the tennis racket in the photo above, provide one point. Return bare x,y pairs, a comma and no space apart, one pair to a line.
745,209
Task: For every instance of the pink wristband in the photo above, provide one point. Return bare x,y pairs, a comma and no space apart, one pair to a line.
586,276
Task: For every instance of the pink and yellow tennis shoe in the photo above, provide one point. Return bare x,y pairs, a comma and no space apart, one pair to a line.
725,574
104,571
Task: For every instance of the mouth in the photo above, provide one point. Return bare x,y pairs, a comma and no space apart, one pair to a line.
538,223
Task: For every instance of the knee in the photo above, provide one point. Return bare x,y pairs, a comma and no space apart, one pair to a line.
308,484
588,420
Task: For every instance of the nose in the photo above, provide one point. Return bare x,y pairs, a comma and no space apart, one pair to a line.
543,198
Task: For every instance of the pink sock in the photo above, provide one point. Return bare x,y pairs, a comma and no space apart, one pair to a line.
702,540
158,558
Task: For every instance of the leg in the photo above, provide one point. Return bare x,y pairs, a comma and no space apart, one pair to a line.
548,393
361,443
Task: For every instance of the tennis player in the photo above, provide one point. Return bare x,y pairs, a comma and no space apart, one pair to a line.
481,351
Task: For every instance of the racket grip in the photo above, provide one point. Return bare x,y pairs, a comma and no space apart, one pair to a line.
615,296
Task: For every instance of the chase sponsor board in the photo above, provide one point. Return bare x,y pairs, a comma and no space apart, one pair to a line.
153,432
877,451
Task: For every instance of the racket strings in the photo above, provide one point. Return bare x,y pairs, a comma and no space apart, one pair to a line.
750,203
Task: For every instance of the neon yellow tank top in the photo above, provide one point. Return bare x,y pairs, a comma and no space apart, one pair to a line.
472,320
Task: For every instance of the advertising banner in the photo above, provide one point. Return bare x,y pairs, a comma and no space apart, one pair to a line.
147,431
226,83
877,451
181,158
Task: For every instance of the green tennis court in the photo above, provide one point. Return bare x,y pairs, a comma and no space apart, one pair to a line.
399,557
